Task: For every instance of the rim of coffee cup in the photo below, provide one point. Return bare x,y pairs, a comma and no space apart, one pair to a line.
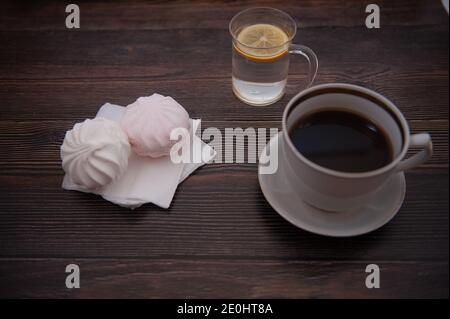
263,8
373,95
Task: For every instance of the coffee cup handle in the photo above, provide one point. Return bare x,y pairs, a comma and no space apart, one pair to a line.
313,63
423,141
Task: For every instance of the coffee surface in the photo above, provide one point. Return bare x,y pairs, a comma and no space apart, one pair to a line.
341,141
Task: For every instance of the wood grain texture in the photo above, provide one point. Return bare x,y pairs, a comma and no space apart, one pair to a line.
209,14
43,139
220,235
218,212
131,278
128,54
79,71
207,99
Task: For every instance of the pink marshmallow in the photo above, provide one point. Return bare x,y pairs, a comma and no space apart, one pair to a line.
149,121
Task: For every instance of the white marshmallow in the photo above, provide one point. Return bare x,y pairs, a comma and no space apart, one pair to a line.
95,153
149,121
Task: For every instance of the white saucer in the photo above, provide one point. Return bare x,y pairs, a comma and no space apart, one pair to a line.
290,206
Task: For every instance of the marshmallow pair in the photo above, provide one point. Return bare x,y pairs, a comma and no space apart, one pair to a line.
95,152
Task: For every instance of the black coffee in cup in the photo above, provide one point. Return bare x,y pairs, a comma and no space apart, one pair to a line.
341,141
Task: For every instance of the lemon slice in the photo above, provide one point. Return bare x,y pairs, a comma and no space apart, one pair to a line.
262,42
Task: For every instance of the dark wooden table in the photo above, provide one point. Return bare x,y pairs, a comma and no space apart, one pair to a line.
220,238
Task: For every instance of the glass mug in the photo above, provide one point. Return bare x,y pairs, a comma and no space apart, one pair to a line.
261,45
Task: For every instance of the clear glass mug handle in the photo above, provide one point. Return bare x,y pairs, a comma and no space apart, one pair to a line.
313,63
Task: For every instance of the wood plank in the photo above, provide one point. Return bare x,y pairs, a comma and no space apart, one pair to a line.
209,99
30,145
166,15
74,80
345,53
130,278
214,212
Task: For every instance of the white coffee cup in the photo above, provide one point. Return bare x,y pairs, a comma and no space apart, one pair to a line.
333,190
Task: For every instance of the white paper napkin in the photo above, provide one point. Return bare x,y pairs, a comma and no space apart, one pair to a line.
146,180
